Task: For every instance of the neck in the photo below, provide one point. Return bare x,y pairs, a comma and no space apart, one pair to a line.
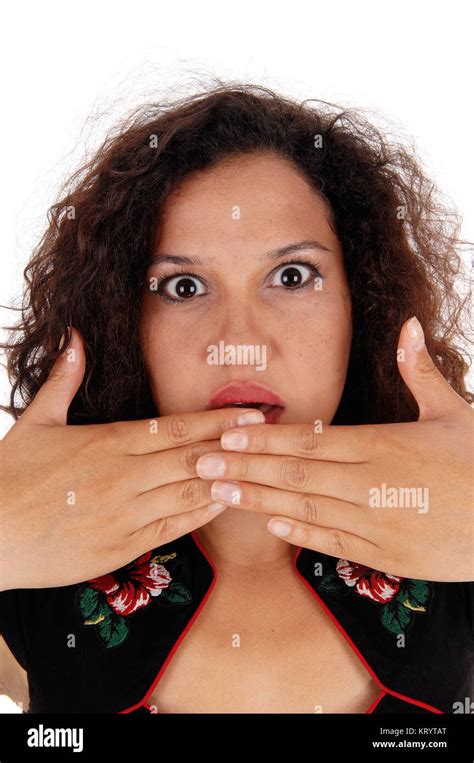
239,539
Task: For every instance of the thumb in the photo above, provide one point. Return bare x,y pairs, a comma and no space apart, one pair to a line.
51,402
435,397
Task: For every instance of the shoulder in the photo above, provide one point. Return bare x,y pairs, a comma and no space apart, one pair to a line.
13,677
94,636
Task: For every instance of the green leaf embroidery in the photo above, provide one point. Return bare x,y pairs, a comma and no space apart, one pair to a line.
92,605
395,617
113,629
414,594
176,593
333,584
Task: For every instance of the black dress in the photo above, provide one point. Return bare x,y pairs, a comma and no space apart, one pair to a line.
101,646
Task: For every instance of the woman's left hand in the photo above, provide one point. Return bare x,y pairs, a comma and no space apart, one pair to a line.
395,497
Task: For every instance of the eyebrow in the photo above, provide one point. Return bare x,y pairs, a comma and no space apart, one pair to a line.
273,254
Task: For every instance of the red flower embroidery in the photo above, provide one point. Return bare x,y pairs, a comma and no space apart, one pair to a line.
132,586
378,586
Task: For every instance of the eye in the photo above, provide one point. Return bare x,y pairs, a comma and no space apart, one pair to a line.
296,275
180,287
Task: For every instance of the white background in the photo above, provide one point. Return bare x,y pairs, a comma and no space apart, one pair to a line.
72,69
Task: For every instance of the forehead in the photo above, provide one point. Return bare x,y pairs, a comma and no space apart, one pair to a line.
255,194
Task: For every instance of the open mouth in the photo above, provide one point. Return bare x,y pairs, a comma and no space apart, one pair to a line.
272,413
249,395
264,407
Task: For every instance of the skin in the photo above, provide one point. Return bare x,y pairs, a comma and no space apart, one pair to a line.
316,484
307,332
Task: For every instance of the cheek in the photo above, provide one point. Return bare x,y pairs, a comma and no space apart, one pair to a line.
172,356
317,352
322,339
321,365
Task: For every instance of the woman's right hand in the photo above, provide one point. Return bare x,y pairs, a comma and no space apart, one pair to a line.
80,501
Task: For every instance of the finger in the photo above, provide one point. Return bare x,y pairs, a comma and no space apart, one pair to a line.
343,481
168,500
178,429
327,540
151,470
166,529
51,403
348,444
304,507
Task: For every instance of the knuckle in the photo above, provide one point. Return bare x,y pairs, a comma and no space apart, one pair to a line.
337,544
153,535
294,473
242,467
113,433
259,441
426,368
307,442
305,538
163,530
190,492
391,442
189,457
309,509
104,437
177,430
254,497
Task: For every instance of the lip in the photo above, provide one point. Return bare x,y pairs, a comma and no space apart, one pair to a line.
251,393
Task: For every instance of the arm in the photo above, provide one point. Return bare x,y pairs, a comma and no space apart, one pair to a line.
13,678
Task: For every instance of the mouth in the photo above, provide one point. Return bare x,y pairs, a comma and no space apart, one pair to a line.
249,395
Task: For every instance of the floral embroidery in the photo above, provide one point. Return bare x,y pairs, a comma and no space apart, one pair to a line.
106,601
378,586
400,597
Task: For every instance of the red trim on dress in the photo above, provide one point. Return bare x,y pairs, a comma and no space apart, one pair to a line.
143,702
383,689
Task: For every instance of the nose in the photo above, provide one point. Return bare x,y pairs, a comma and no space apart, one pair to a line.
241,321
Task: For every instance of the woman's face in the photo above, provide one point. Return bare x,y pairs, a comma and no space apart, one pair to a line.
226,221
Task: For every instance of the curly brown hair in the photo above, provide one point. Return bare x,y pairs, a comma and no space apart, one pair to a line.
400,244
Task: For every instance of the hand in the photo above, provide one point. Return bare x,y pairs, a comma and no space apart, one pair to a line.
326,490
80,501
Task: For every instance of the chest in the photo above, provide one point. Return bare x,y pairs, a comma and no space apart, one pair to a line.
255,648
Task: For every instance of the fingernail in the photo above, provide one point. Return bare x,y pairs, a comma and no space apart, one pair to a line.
234,440
416,334
215,507
277,527
226,491
250,417
63,339
210,466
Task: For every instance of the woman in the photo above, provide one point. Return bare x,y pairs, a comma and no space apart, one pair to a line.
262,358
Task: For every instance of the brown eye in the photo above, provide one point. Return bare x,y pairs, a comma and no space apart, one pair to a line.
295,275
180,287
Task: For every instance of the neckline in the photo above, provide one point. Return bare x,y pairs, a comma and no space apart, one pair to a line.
200,549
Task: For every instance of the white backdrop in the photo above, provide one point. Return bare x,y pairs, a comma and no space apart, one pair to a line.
71,70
